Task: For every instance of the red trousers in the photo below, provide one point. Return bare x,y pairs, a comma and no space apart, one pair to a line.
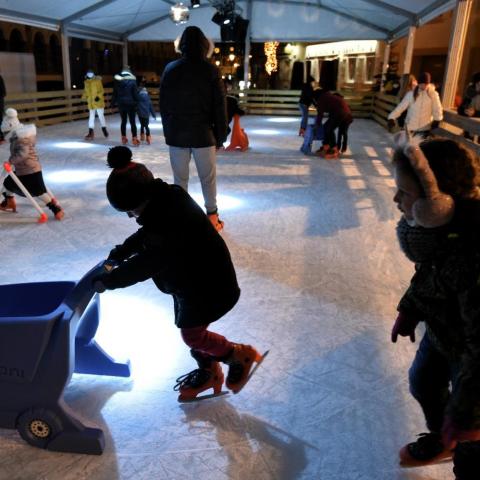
208,343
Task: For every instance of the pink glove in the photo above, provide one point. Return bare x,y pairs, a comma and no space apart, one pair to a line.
404,326
452,434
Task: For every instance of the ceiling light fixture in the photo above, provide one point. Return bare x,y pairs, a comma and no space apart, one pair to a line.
179,13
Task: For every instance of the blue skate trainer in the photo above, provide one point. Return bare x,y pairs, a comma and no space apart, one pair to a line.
46,334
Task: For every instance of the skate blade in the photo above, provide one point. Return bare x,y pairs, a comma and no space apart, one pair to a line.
205,397
412,463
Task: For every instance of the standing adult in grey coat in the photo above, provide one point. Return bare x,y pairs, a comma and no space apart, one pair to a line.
194,116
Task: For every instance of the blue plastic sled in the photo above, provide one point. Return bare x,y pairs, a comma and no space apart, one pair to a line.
312,132
46,334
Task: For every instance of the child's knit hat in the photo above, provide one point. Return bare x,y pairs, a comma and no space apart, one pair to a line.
128,186
10,120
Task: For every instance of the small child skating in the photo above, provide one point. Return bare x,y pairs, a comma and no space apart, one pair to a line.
438,191
24,159
180,250
144,110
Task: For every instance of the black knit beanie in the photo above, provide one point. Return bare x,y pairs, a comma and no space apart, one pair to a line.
128,186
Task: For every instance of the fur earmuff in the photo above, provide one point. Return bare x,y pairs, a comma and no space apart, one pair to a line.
436,208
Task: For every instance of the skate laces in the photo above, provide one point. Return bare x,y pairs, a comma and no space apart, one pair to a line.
194,379
428,445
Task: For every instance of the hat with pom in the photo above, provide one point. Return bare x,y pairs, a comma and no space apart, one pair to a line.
128,185
10,120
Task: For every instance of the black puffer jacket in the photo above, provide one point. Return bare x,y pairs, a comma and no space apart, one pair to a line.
125,90
192,96
445,293
181,251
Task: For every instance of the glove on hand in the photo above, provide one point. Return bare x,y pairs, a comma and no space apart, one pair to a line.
301,132
391,124
452,434
117,254
404,326
97,99
435,124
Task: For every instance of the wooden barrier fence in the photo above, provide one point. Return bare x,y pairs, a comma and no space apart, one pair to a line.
49,108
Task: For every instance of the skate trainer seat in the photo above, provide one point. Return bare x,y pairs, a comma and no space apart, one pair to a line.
46,334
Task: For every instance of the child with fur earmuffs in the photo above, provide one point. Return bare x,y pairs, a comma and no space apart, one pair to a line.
24,159
438,192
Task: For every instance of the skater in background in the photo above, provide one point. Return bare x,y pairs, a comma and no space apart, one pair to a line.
424,112
470,106
24,159
306,99
3,94
93,94
339,117
194,116
144,110
125,96
438,192
162,249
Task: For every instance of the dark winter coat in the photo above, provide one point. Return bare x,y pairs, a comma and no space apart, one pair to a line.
335,105
445,293
192,98
181,251
125,91
3,91
144,106
469,100
306,94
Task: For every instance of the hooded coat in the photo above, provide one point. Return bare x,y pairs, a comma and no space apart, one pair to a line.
125,91
93,93
192,96
181,251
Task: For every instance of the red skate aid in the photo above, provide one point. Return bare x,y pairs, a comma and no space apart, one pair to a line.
239,139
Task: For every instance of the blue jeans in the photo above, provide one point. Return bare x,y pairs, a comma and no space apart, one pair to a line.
304,111
430,376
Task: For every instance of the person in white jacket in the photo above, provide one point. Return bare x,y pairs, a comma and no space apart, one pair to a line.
424,108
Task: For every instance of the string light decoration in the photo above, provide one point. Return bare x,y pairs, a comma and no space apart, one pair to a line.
270,49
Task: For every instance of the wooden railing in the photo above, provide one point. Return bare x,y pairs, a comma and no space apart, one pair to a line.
50,108
285,102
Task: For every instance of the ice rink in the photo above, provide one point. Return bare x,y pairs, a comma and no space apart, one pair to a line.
314,246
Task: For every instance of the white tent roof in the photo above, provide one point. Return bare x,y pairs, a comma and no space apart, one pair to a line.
282,20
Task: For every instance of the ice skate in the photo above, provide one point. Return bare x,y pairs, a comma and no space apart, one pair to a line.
149,139
331,153
105,132
124,140
142,137
8,204
135,141
428,449
322,150
199,380
215,221
56,209
242,366
90,135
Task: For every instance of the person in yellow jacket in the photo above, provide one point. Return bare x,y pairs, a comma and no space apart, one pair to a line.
93,94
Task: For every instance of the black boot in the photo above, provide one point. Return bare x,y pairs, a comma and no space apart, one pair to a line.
56,209
90,135
105,132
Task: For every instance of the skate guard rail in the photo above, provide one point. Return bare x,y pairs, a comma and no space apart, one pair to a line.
285,102
452,126
50,108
